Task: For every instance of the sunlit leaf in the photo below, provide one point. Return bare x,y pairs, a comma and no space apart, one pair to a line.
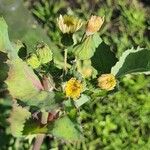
65,129
133,61
86,49
83,99
17,119
62,128
22,83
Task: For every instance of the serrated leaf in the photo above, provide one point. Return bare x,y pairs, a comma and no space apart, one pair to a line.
62,128
22,83
33,36
65,129
132,61
33,61
83,99
44,53
103,59
17,119
43,100
86,49
32,127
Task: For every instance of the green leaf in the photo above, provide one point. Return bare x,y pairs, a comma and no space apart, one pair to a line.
34,127
58,57
65,129
133,61
44,53
103,59
17,119
22,83
34,36
5,45
22,24
3,70
86,49
42,100
62,128
33,61
83,99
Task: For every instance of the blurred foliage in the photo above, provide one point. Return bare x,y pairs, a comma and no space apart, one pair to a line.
122,120
126,22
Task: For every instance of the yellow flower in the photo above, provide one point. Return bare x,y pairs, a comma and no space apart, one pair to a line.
107,82
69,24
73,88
94,24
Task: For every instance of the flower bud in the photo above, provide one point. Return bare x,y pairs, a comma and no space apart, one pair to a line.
44,53
86,72
94,24
107,82
33,61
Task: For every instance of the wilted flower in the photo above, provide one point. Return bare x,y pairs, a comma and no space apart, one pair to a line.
107,82
69,24
33,61
86,72
94,24
73,88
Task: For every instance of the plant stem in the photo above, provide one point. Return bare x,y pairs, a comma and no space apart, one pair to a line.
65,61
40,137
83,37
38,142
44,117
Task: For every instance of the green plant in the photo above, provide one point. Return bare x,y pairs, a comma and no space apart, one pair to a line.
49,104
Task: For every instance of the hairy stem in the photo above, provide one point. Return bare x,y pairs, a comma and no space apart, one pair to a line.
38,142
40,137
65,61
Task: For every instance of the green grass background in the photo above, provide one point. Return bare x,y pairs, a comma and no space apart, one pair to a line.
120,121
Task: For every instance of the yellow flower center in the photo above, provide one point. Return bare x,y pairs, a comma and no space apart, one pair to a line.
68,22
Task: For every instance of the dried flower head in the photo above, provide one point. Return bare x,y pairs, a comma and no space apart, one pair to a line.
94,24
69,24
86,72
73,88
107,82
